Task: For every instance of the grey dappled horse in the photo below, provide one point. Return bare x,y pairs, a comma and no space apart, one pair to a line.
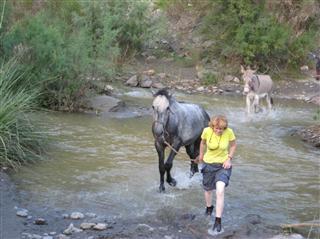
174,125
256,87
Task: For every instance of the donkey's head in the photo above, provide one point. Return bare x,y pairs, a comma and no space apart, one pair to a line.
247,76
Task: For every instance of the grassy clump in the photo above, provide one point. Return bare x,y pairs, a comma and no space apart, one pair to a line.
210,79
20,139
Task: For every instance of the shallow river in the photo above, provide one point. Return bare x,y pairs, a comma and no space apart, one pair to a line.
108,165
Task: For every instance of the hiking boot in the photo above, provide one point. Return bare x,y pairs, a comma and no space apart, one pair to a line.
216,229
209,211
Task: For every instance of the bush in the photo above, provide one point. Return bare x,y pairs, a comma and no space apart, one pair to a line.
249,31
130,19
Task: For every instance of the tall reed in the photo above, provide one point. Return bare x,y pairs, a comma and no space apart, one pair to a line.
21,140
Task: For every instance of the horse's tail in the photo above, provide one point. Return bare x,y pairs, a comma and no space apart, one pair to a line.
271,100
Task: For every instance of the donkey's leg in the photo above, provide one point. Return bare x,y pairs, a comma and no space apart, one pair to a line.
168,164
248,103
250,100
269,102
160,151
256,106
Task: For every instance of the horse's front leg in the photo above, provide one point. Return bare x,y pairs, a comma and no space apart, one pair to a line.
160,151
168,164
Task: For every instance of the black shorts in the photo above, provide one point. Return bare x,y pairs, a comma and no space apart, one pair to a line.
213,173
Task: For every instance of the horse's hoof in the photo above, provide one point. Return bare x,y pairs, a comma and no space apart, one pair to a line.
172,182
193,171
161,189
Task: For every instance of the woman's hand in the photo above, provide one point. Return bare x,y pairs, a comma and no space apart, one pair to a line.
227,164
197,160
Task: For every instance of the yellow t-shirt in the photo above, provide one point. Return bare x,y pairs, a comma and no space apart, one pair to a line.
217,146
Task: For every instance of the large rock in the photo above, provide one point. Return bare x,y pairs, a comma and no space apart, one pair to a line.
146,81
133,81
103,103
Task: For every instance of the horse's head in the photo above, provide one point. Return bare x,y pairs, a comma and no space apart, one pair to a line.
161,111
247,76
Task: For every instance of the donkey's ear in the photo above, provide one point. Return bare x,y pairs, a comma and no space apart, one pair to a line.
153,92
242,69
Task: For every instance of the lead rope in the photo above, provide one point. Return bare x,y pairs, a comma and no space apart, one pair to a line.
164,140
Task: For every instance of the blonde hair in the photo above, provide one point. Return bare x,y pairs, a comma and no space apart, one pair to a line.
218,121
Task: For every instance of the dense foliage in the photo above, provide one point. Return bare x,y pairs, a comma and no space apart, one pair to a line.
261,32
64,44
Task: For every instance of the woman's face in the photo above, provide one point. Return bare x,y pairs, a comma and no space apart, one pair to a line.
218,130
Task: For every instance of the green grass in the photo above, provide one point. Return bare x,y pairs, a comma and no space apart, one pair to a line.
21,140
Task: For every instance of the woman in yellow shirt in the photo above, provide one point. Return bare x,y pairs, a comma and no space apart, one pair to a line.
220,144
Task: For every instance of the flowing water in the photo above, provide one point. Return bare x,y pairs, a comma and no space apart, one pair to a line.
108,165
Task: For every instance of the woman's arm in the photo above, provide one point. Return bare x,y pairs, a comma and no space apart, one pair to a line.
202,147
232,148
201,151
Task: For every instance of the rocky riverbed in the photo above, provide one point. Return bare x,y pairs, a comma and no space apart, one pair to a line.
39,222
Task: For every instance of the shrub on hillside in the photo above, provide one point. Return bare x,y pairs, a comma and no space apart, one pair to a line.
250,31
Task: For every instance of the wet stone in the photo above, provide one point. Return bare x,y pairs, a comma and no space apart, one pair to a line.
76,215
40,221
22,213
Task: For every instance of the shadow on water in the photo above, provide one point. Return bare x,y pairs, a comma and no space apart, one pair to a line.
109,165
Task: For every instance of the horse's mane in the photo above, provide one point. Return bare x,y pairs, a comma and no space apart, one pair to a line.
163,92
